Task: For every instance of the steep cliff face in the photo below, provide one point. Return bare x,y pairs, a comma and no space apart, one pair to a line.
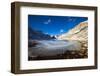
80,33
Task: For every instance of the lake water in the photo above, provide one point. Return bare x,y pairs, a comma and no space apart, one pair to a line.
53,47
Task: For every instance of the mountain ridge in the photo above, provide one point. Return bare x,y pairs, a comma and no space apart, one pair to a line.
80,33
38,35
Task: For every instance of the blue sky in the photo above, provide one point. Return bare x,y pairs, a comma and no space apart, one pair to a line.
53,25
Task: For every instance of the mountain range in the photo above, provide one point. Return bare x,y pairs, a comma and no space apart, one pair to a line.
38,35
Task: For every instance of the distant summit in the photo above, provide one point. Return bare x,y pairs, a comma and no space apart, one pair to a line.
38,35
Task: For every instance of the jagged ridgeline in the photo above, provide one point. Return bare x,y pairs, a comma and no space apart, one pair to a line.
79,32
38,35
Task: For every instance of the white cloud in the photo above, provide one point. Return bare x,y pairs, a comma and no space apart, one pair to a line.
48,21
46,33
61,30
71,19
